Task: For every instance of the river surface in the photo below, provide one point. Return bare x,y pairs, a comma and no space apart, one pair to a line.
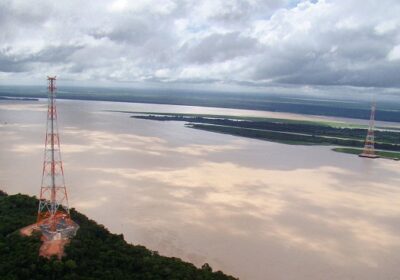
254,209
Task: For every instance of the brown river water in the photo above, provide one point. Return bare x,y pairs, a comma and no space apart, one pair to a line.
254,209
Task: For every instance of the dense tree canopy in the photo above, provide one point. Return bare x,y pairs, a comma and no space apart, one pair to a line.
93,254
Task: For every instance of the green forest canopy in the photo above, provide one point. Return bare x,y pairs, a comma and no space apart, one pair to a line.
94,253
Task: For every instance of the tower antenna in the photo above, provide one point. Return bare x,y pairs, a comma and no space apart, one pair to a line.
53,217
369,147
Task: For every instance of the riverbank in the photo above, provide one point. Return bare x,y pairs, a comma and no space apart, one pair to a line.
286,131
94,253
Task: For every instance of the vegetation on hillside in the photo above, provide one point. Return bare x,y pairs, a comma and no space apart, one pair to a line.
93,254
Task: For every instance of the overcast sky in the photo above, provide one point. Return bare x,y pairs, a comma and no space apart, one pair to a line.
254,44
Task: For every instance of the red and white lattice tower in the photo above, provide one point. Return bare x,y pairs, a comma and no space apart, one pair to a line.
369,147
53,213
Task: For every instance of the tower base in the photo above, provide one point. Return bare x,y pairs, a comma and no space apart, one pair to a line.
55,235
368,155
61,229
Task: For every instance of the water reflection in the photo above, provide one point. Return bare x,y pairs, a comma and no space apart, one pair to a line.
255,209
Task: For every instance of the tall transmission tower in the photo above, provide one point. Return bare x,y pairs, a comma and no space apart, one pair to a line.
369,147
53,214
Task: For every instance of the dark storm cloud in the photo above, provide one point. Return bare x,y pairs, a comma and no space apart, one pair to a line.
55,54
239,42
21,63
9,64
135,31
14,12
235,11
219,47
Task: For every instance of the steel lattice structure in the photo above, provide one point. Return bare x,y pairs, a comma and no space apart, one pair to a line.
53,213
369,147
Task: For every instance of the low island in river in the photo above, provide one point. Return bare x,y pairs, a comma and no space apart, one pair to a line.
347,138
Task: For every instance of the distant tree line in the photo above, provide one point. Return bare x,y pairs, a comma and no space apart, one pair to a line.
302,133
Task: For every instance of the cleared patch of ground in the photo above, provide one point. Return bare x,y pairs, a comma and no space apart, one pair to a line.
53,248
49,247
27,231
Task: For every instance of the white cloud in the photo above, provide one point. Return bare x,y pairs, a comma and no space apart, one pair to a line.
153,6
386,27
394,53
274,42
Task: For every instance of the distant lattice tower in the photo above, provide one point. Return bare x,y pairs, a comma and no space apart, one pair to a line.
369,147
53,214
